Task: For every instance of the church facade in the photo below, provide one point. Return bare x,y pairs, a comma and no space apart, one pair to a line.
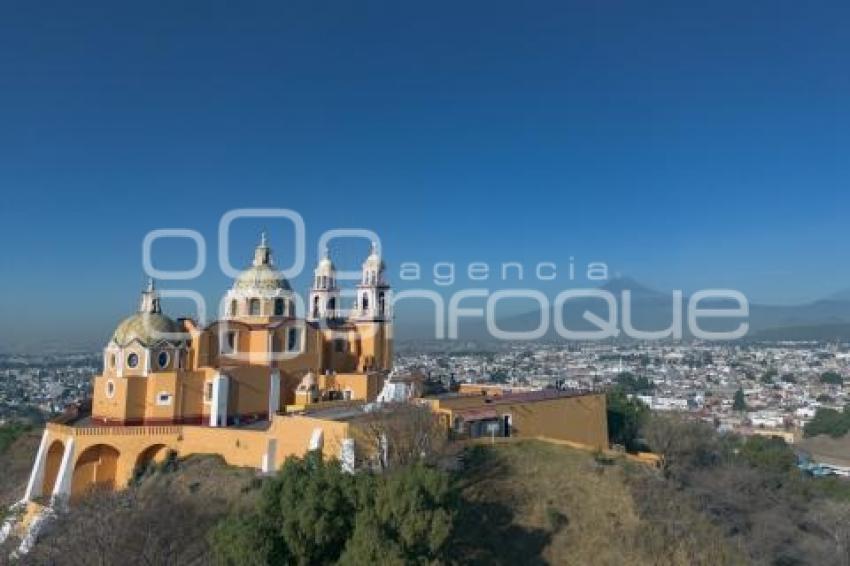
256,386
262,384
258,358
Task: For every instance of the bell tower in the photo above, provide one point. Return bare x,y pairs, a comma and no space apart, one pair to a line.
325,295
373,293
372,315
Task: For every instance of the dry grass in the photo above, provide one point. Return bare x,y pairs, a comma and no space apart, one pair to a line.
536,503
15,466
826,448
163,519
524,503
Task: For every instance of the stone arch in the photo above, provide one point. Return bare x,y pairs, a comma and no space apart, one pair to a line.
52,463
96,468
155,453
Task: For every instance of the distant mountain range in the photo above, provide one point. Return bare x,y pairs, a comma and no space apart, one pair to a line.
823,320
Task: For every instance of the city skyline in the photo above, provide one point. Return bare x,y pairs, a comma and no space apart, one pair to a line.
685,147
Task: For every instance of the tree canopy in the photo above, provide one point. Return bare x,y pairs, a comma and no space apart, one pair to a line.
831,378
626,416
740,401
314,513
630,383
828,421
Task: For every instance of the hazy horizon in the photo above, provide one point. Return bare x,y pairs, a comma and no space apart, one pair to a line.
684,146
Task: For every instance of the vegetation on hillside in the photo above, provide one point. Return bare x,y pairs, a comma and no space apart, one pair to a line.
163,518
10,432
752,490
314,513
828,421
718,499
18,444
536,503
626,417
520,503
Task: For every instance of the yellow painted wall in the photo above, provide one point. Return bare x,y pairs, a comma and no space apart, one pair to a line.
108,455
580,419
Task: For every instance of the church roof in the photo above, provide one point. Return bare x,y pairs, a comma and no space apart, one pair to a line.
146,327
263,277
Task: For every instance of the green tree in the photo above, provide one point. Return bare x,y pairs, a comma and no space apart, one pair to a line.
740,402
630,383
831,378
314,513
306,517
9,433
408,522
625,418
768,454
829,421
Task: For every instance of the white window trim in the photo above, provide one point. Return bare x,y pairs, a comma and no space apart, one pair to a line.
168,398
110,384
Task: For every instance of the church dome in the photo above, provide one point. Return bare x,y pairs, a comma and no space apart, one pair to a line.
146,327
261,276
325,266
374,260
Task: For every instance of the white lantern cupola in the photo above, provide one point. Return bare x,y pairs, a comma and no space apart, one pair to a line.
373,300
324,296
260,291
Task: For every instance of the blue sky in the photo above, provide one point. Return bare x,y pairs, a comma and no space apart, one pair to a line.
684,145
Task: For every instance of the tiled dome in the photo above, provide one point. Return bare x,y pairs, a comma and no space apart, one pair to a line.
147,328
263,277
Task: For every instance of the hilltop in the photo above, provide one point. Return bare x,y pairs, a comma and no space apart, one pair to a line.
531,502
716,500
521,502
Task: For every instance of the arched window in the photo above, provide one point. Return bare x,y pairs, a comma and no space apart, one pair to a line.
315,307
381,302
292,340
254,307
233,307
365,302
278,307
331,305
229,343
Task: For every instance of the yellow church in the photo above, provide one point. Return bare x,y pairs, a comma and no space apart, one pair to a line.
262,384
249,386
